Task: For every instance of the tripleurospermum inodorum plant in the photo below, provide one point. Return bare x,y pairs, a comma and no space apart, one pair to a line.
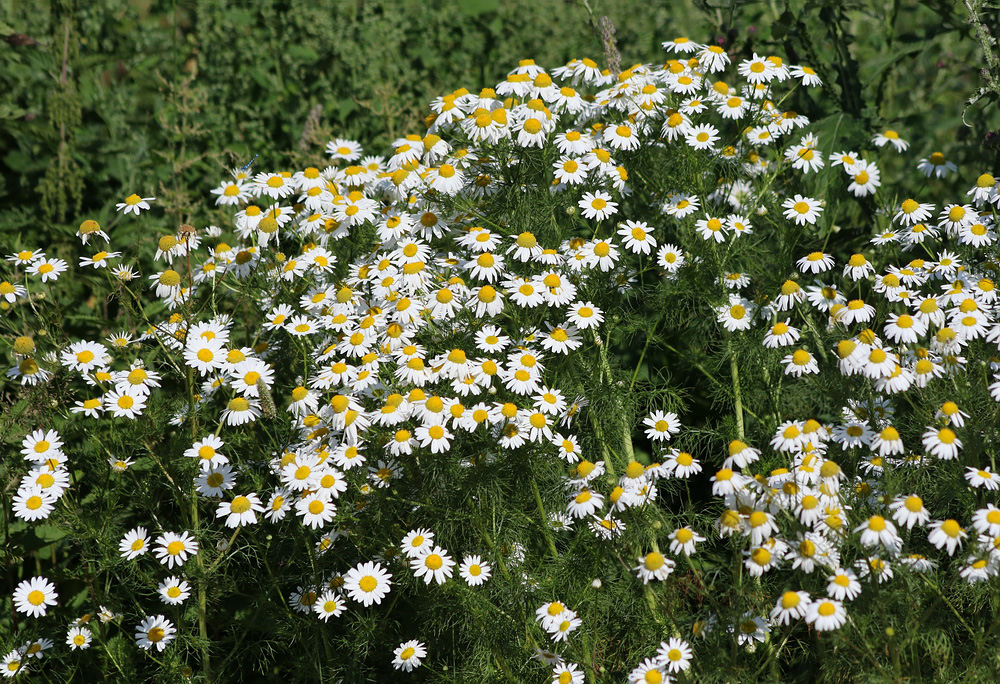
598,378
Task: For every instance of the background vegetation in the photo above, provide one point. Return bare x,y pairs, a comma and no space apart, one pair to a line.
102,96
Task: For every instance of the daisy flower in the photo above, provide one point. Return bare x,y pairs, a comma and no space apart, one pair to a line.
174,591
936,165
173,549
408,654
133,204
241,510
78,638
329,604
48,269
982,477
826,614
154,632
654,566
909,511
661,426
33,597
947,534
367,583
597,205
802,209
474,571
134,544
791,605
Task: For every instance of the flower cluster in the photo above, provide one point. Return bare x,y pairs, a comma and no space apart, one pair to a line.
363,338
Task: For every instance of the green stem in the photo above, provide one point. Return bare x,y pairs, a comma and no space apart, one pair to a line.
545,518
206,666
736,391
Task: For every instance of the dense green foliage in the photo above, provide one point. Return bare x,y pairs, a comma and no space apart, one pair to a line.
100,94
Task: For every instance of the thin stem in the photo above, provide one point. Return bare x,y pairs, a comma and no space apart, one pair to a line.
736,391
545,518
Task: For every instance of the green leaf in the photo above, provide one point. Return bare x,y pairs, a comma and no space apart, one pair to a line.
473,8
876,67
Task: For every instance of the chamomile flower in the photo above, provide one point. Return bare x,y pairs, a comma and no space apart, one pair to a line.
803,210
173,549
134,544
815,262
737,315
909,511
890,137
597,205
241,510
474,570
781,334
791,605
684,540
654,566
650,670
585,315
367,583
800,362
408,655
47,269
947,534
133,204
329,604
942,443
661,426
936,165
33,503
316,510
174,591
155,632
567,673
78,638
912,212
982,477
34,596
826,614
702,137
